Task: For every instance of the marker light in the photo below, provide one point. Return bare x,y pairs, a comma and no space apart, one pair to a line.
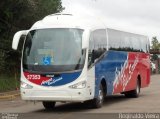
79,85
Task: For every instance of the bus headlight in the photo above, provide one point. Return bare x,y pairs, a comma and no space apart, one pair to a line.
79,85
26,86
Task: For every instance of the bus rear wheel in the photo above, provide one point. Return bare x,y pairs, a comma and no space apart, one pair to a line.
48,105
134,93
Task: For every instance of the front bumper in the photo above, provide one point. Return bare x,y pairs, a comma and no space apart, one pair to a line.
72,95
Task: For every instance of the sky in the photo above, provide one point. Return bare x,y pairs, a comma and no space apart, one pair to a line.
137,16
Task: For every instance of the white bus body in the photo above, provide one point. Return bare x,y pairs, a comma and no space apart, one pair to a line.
47,79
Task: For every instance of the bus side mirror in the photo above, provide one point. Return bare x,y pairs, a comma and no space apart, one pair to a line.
16,38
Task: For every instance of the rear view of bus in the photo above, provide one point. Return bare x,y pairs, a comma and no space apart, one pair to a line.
77,59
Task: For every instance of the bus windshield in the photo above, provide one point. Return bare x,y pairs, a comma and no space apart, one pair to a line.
54,50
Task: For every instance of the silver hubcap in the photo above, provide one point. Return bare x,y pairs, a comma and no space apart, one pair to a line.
138,89
100,96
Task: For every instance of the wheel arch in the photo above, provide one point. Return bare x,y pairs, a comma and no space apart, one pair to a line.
104,85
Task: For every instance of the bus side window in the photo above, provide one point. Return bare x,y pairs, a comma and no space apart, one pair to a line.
97,45
90,51
100,43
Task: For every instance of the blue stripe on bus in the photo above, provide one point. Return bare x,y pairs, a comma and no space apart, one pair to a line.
106,68
62,79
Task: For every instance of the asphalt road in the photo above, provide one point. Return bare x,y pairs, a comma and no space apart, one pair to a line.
148,102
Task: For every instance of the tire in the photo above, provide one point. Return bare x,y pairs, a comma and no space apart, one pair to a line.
48,105
134,93
98,102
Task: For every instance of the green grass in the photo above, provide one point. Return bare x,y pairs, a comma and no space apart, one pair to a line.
8,83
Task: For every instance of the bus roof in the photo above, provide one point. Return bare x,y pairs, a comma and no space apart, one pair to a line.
67,20
61,20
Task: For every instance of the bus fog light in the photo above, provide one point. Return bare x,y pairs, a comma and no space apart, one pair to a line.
26,86
79,85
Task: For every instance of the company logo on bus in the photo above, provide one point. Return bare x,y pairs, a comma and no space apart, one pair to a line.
50,79
46,80
123,76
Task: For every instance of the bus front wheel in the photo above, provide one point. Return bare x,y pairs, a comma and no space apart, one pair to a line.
98,101
48,105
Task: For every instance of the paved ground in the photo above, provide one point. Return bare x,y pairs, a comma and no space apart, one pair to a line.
10,95
148,102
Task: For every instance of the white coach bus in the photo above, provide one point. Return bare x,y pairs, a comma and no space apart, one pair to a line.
68,58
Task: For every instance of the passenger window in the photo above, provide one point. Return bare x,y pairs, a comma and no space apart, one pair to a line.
97,45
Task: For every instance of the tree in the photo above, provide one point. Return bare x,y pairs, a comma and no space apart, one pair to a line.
155,44
18,15
9,11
